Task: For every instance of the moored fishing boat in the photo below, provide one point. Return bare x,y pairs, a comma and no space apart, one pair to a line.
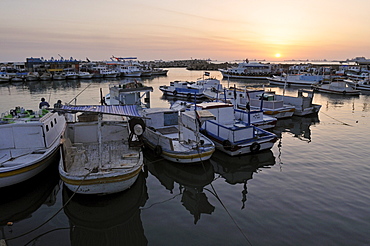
235,137
246,70
71,75
271,105
181,89
302,102
175,136
247,117
363,84
4,77
84,75
32,76
46,76
29,142
305,80
337,87
101,151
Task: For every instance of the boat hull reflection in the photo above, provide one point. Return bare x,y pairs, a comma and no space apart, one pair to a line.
107,220
191,179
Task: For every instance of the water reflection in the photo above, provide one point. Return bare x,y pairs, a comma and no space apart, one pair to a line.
191,179
299,127
240,169
107,220
19,202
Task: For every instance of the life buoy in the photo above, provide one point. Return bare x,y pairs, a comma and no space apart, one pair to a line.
226,144
137,126
158,150
174,92
255,147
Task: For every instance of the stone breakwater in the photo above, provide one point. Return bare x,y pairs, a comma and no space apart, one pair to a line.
209,65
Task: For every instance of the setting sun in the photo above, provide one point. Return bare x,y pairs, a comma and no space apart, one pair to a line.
277,55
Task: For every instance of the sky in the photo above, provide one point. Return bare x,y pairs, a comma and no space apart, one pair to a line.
224,30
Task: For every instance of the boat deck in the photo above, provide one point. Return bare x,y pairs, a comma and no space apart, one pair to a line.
81,158
15,157
168,130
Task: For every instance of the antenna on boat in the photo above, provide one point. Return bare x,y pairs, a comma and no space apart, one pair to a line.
75,98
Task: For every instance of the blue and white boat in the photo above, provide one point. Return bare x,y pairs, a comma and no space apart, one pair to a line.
182,89
254,117
231,134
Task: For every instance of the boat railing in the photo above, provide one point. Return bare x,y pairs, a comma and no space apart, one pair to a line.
267,104
231,132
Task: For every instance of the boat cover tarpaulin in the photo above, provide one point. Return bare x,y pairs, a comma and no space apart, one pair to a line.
126,110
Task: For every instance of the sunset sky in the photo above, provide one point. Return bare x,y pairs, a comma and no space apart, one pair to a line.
179,29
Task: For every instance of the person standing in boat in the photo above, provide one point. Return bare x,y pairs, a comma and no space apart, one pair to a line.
58,104
43,103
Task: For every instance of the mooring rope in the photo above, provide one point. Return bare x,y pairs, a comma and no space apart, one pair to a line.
346,124
65,204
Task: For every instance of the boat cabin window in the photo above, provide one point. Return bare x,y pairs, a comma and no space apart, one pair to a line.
170,118
47,128
52,124
55,120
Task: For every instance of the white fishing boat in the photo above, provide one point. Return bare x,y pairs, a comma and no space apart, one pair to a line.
247,117
101,151
257,100
175,136
232,135
84,75
59,76
303,102
247,70
71,75
129,93
4,77
181,89
305,79
270,104
32,76
363,84
29,142
46,76
109,73
337,87
159,71
126,66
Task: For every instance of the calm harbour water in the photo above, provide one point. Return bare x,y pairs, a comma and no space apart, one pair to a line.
312,188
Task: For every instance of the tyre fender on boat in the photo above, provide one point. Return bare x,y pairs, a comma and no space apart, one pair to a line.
227,144
189,96
158,150
137,126
174,92
255,147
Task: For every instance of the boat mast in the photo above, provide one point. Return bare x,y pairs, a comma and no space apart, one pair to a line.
100,116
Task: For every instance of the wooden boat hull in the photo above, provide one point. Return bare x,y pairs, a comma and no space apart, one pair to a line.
105,182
